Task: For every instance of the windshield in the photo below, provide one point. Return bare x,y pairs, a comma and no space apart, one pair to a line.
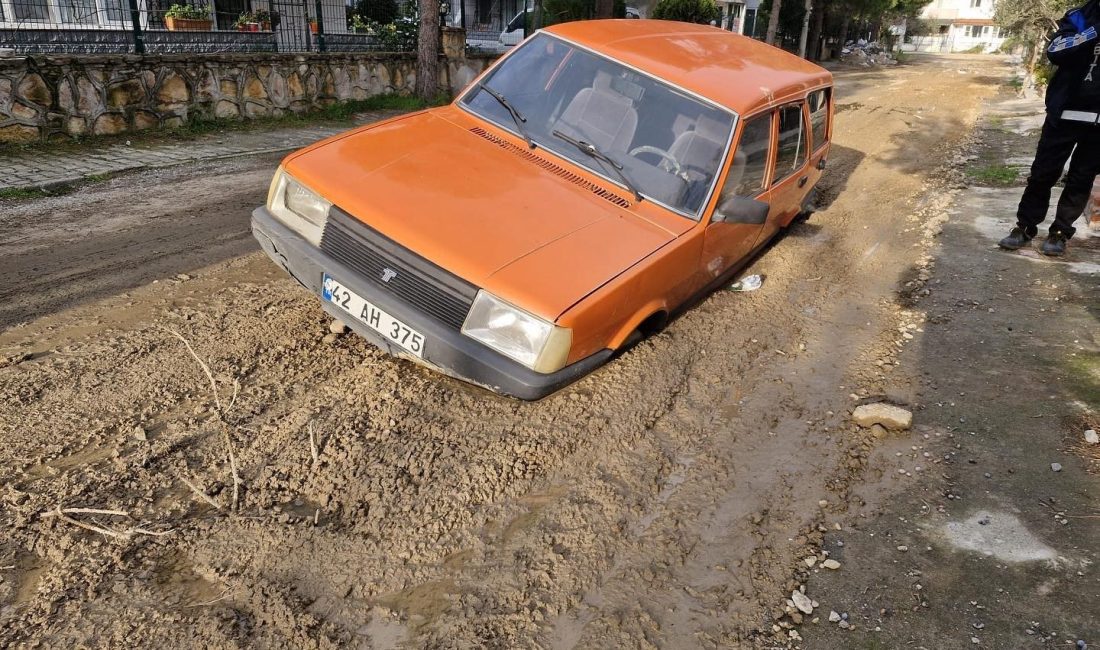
665,143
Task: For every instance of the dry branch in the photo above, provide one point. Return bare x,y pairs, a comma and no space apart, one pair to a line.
199,493
313,444
233,468
60,513
205,368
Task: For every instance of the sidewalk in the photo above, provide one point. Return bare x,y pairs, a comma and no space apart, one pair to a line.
47,169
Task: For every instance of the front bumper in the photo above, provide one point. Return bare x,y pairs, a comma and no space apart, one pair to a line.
445,349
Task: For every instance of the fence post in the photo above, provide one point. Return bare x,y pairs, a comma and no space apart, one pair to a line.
320,28
135,22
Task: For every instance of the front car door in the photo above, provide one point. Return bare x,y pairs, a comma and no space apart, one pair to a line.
726,244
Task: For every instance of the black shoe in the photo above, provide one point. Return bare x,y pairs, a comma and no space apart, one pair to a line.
1055,245
1016,239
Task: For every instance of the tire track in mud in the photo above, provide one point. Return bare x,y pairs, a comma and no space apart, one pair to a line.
662,500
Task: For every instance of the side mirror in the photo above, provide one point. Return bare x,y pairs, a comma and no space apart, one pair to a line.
739,209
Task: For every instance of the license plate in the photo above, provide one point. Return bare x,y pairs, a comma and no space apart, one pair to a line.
389,327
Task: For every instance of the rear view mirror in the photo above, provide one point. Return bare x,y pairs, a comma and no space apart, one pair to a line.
739,209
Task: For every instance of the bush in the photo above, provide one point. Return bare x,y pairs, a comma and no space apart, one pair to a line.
687,11
378,11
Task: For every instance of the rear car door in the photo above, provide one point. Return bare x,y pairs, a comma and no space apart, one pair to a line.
728,243
790,175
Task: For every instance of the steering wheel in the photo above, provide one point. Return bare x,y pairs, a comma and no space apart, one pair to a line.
659,152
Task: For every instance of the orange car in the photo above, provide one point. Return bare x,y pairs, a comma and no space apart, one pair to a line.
588,185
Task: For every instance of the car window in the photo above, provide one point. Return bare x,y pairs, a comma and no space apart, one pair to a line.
819,117
669,144
792,143
749,167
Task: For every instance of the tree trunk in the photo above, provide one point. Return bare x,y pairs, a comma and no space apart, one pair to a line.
844,27
817,27
427,51
773,21
802,38
605,8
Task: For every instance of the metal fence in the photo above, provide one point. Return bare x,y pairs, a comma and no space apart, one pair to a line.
171,26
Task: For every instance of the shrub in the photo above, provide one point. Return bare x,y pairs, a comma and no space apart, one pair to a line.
187,12
688,11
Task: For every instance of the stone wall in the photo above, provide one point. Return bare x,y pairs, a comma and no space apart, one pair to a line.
60,96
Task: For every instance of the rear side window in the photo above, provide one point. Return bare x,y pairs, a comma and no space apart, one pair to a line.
819,117
792,142
750,162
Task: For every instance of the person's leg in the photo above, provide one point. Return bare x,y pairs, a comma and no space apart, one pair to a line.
1083,169
1055,146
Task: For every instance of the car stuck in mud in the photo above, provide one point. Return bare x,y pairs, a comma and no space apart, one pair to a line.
587,186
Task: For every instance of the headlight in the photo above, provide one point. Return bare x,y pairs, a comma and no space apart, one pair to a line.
298,207
536,343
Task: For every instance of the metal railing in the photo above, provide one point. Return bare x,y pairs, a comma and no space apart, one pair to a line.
168,27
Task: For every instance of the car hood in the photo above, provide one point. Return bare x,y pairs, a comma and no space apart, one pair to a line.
494,214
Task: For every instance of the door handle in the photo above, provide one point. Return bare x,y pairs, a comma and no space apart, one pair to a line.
802,181
821,164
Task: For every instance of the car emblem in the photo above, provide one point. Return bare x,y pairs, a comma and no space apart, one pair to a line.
388,274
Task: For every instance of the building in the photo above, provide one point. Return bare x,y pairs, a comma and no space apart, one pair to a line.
958,26
739,16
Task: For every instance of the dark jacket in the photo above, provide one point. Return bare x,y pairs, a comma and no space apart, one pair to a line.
1072,50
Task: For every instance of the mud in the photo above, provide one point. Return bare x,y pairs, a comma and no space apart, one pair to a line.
667,500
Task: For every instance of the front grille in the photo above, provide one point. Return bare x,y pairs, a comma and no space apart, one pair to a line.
413,279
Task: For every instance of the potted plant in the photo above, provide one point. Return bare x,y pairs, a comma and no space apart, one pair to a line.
188,18
264,18
247,22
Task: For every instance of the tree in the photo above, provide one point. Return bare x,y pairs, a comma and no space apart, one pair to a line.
1032,21
687,11
773,21
427,51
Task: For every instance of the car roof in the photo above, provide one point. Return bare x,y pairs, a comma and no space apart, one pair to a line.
734,71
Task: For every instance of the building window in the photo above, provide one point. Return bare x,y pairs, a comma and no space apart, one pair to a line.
32,10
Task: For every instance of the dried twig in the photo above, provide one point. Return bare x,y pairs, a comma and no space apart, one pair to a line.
313,444
199,493
59,511
225,594
205,368
233,468
62,514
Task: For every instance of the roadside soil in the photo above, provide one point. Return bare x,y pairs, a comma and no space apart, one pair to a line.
667,500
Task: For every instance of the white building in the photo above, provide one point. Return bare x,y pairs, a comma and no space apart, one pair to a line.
738,16
959,26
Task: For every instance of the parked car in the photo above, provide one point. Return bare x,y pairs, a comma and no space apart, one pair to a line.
575,197
514,31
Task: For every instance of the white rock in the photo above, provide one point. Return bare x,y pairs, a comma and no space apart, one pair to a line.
336,327
831,564
903,548
1057,467
889,416
833,616
810,561
1091,437
802,602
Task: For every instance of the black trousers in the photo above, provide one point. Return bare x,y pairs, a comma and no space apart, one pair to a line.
1058,141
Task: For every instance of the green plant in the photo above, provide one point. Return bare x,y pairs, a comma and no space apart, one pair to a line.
688,11
357,23
245,18
188,12
995,175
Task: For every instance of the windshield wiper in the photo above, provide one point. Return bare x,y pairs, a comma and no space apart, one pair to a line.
520,120
590,150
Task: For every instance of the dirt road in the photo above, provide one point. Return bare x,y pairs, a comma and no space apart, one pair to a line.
668,500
